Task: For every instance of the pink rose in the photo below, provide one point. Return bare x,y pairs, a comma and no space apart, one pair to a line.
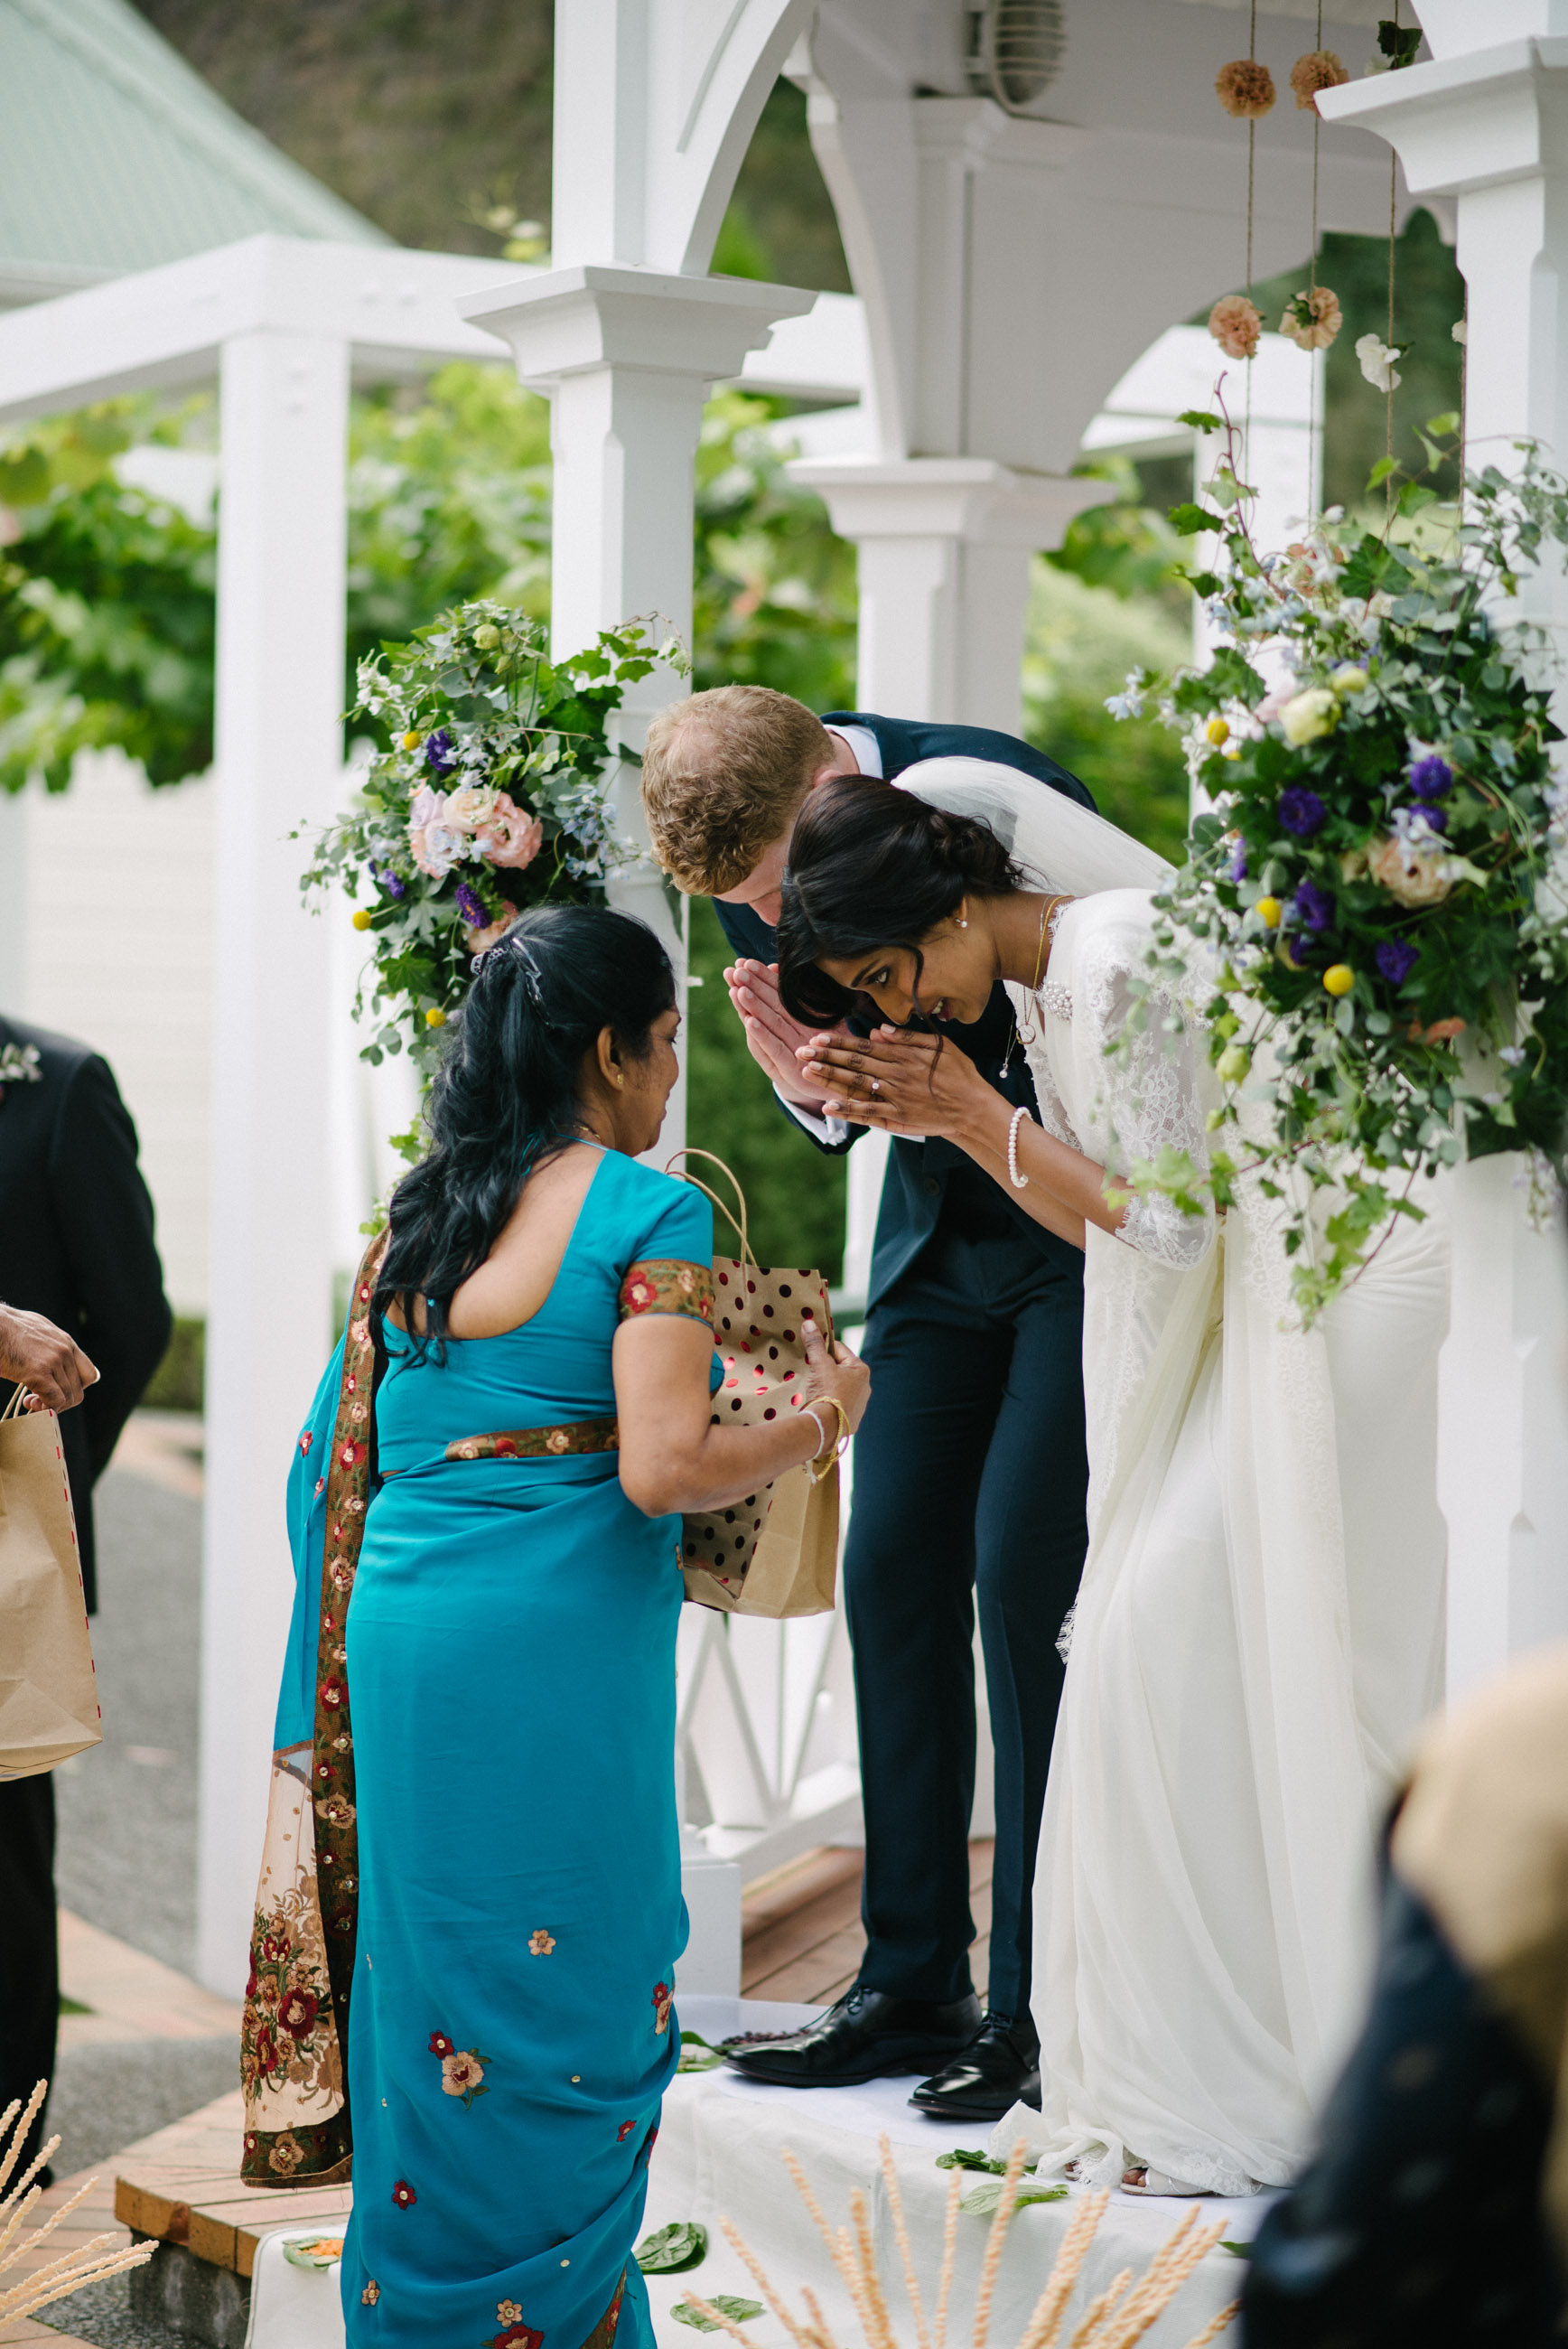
508,836
467,808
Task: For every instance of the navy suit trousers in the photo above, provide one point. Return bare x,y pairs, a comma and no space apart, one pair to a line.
970,1476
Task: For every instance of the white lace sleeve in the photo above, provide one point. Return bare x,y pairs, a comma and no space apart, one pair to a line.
1154,1094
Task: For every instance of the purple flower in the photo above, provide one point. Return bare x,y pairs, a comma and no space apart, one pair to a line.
1397,959
1238,862
440,755
1301,812
1431,777
1437,817
385,878
1314,907
470,907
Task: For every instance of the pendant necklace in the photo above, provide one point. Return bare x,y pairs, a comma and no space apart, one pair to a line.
1051,913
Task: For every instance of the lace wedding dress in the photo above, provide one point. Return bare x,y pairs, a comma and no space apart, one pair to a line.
1259,1629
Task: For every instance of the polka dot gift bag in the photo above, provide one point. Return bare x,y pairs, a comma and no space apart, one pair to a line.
777,1552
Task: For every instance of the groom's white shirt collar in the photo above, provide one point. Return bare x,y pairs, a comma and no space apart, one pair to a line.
865,746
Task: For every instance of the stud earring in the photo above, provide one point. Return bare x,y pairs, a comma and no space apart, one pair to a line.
962,923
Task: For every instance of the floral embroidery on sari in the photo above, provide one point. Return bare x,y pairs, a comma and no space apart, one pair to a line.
515,2334
462,2068
663,1999
541,1943
295,2023
603,2333
667,1285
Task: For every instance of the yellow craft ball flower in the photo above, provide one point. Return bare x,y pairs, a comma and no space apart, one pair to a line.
1217,731
1245,88
1268,910
1340,979
411,741
435,1017
361,919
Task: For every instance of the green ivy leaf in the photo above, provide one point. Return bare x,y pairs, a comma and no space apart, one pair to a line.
673,2250
738,2310
965,2157
1187,520
983,2199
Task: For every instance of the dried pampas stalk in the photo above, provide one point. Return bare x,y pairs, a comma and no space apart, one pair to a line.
90,2262
1122,2315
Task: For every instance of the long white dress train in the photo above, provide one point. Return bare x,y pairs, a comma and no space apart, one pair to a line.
1258,1634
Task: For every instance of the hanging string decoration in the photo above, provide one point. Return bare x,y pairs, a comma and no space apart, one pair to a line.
1319,70
1235,324
1313,318
1245,88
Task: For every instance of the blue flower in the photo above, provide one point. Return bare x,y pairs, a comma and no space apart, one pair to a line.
1314,907
1301,812
470,907
1437,817
1238,862
1431,777
1397,959
440,755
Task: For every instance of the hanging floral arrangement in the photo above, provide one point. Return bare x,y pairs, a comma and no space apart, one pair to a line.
1378,892
494,795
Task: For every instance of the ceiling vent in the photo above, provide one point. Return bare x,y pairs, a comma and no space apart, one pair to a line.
1015,49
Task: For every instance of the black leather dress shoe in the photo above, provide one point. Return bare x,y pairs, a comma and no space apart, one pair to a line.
868,2033
1000,2066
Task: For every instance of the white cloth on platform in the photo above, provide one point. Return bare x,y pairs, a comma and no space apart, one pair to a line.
1259,1630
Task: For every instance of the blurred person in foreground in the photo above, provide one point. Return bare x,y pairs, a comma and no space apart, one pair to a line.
1435,2211
84,1325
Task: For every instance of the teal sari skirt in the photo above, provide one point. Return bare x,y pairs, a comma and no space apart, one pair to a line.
511,1653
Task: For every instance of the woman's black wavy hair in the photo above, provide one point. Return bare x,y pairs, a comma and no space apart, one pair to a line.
872,866
505,1097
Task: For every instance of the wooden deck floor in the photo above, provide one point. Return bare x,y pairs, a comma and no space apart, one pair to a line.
801,1926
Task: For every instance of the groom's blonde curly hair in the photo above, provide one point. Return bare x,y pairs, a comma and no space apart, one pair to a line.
724,775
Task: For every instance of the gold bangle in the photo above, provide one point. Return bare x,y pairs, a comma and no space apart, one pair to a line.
818,1463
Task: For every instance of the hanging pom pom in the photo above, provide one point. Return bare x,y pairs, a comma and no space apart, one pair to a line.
1236,325
1245,88
1319,70
1312,319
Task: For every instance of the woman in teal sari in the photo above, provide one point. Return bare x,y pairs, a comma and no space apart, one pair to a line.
501,1813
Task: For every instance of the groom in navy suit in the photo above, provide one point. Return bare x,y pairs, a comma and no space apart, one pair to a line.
970,1469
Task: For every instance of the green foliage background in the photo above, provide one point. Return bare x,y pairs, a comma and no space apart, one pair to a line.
436,123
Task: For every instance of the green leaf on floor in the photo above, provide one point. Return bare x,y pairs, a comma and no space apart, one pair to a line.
983,2198
965,2157
699,2055
671,2250
737,2311
1237,2250
73,2005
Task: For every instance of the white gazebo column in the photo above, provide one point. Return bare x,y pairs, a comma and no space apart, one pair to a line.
1489,124
943,547
627,357
280,586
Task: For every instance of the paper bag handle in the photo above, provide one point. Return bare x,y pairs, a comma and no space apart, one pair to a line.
17,1403
739,1223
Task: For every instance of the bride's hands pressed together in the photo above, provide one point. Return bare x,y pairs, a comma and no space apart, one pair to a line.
772,1037
903,1081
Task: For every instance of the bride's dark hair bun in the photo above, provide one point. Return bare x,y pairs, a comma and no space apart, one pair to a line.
871,866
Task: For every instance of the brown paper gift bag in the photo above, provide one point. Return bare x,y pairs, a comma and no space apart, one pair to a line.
777,1552
48,1691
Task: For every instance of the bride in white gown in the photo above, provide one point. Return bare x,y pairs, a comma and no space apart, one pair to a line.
1259,1629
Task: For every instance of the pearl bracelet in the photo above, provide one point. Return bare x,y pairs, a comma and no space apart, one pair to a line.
1019,1182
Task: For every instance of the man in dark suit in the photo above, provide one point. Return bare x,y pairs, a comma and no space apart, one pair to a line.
970,1469
75,1250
